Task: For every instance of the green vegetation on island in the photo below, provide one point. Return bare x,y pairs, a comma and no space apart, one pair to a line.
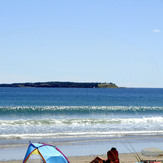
107,85
62,85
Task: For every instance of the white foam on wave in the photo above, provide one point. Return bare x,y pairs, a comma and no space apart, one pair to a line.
79,108
115,135
81,121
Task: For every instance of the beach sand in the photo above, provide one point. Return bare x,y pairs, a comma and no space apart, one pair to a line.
124,158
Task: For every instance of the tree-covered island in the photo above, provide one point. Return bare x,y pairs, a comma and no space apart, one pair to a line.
62,85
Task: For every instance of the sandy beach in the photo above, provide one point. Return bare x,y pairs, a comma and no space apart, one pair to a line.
124,158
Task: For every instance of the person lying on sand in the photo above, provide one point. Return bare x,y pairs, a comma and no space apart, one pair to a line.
112,157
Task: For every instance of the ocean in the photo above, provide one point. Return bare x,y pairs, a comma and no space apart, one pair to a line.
89,119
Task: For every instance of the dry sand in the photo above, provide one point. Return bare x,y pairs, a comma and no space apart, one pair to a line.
124,158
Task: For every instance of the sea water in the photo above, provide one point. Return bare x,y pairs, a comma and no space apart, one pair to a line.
89,118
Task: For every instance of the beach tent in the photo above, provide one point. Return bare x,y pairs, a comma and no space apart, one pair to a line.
151,151
47,153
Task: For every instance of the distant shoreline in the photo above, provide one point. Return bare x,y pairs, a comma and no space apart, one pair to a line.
62,85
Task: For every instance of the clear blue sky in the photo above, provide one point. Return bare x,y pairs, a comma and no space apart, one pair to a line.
119,41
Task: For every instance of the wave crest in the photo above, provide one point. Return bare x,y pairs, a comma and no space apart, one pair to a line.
76,109
37,122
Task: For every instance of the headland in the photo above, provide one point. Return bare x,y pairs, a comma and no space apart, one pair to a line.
56,84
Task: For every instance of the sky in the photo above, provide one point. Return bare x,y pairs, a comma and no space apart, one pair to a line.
82,41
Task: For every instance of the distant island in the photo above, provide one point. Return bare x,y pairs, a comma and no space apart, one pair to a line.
62,85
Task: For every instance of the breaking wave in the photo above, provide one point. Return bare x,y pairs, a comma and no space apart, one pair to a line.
76,109
57,121
116,121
